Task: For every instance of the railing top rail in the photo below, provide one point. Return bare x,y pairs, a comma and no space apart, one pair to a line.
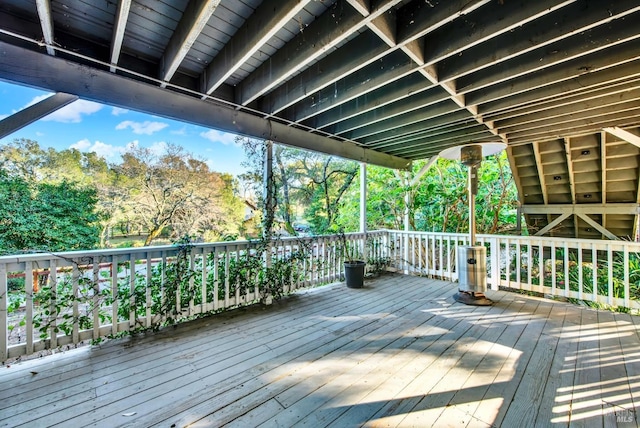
157,251
572,242
161,249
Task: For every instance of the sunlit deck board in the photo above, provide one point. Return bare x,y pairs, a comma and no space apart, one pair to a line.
397,353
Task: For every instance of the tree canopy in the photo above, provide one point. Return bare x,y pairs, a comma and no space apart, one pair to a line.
63,200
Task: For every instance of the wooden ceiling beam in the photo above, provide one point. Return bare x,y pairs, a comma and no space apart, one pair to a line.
578,68
447,123
329,30
606,102
554,223
379,100
46,72
591,222
594,209
575,18
257,30
575,128
595,41
46,23
119,25
568,100
193,21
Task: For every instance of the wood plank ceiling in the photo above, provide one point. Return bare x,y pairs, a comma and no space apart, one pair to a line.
380,81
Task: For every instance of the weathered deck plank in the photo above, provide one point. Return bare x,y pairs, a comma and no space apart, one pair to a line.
397,353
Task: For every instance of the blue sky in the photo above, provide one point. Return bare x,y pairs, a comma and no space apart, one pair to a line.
108,131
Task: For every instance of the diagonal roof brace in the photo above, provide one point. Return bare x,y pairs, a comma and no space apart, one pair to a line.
624,135
28,115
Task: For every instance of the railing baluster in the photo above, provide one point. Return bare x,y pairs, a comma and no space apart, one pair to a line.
204,305
114,293
132,289
610,296
627,291
227,260
28,285
580,288
147,291
191,266
163,282
518,264
216,279
594,272
4,314
552,248
75,280
529,265
96,298
566,270
53,284
541,267
507,246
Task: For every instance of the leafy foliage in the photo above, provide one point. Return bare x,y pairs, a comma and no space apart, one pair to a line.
438,202
44,216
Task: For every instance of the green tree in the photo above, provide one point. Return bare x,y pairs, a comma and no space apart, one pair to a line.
177,193
46,216
314,182
436,202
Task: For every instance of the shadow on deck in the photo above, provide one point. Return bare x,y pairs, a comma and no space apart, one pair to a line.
398,352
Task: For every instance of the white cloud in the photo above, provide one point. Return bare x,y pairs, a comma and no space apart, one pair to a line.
219,137
40,134
142,128
182,131
81,145
104,150
157,148
71,113
117,111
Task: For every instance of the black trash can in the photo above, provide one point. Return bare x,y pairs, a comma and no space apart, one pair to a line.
354,273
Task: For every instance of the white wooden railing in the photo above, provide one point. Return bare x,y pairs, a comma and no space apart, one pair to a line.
554,267
54,300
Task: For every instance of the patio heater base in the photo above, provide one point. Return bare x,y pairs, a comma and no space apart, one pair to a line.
471,298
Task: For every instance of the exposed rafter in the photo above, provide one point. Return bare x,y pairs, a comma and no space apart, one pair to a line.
257,30
631,209
121,19
329,30
195,17
577,17
46,23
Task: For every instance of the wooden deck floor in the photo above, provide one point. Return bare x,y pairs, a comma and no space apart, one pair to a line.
397,353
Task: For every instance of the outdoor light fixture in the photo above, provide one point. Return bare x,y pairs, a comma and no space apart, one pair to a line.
472,259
